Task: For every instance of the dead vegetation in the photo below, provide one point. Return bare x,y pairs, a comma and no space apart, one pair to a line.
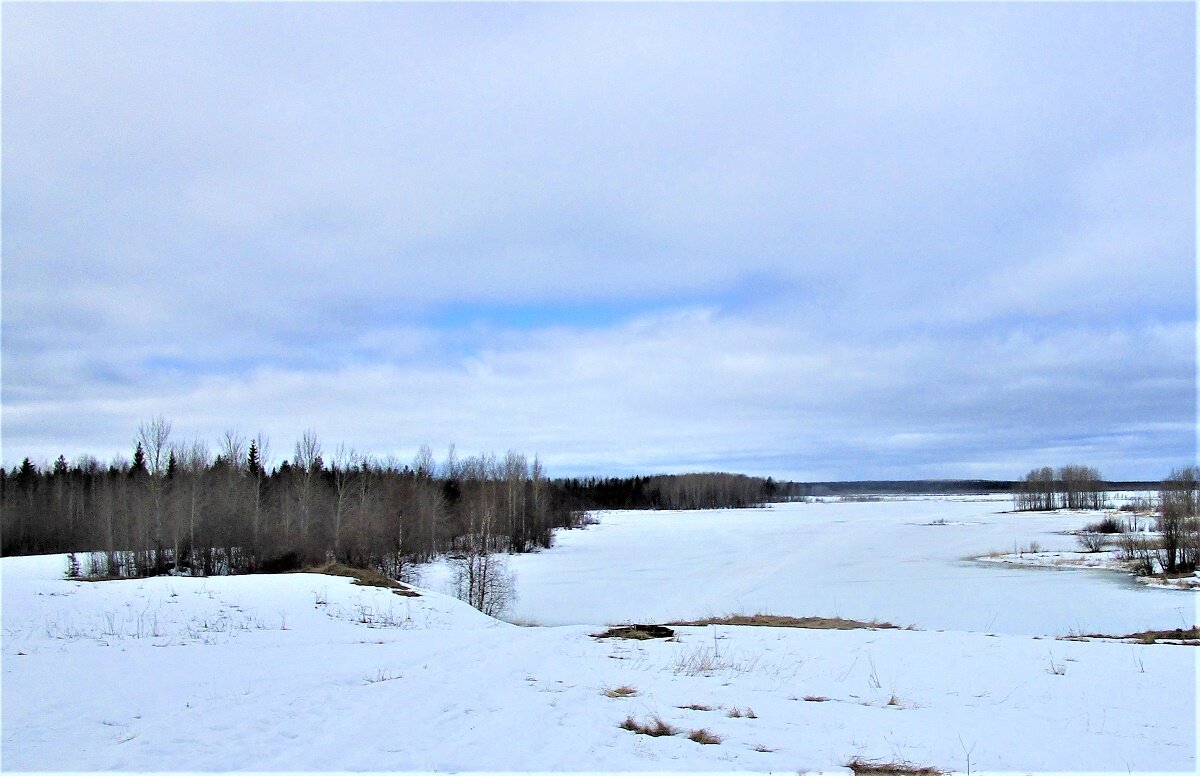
696,707
624,691
704,736
862,767
783,621
736,713
1185,636
656,727
816,698
637,632
364,577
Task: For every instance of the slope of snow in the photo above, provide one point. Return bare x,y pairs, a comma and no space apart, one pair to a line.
311,672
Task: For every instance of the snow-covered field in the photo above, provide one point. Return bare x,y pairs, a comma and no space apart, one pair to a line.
886,560
311,672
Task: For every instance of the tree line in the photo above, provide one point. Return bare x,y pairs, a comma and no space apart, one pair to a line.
1068,487
183,507
713,490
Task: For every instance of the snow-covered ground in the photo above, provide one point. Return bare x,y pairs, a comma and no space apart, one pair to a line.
311,672
886,560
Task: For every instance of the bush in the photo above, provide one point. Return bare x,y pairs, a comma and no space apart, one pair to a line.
1138,552
702,736
1108,525
1092,541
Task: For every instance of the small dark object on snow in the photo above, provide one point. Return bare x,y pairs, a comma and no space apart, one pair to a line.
639,632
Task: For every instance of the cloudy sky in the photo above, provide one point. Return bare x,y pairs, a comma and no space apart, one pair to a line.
813,241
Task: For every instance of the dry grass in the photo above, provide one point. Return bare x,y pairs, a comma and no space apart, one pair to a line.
863,767
624,691
365,577
703,736
696,707
636,632
655,727
737,713
783,621
1186,636
815,698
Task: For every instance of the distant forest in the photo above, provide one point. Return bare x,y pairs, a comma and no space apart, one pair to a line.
183,508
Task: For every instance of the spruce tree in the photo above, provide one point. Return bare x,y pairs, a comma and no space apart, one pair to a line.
252,462
139,462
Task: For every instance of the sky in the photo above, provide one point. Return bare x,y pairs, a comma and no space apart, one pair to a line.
814,241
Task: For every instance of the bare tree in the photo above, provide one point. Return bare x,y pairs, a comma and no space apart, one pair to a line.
344,470
1178,521
154,436
308,463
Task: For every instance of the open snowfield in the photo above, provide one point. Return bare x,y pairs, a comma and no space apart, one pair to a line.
883,560
312,672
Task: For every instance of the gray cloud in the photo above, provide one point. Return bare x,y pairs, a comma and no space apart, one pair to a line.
879,238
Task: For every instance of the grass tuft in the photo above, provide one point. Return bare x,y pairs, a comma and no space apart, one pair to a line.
703,736
815,698
655,727
696,707
863,767
624,691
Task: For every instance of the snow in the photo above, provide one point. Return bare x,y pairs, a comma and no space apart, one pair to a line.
867,560
311,672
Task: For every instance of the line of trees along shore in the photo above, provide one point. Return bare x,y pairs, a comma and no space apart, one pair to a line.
185,508
1068,487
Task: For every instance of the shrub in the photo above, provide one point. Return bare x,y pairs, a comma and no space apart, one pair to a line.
703,736
1138,552
1106,525
1092,541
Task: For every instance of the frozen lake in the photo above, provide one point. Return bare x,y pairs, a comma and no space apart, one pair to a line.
879,560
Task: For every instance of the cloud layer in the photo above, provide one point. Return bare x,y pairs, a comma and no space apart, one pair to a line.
808,240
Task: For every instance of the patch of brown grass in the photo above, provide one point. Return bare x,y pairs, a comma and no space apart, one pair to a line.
783,621
863,767
655,727
1185,636
737,713
696,707
703,736
365,577
624,691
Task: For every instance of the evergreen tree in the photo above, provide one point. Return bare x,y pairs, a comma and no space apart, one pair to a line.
139,462
252,462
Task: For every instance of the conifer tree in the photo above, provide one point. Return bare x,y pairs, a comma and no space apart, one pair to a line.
139,462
